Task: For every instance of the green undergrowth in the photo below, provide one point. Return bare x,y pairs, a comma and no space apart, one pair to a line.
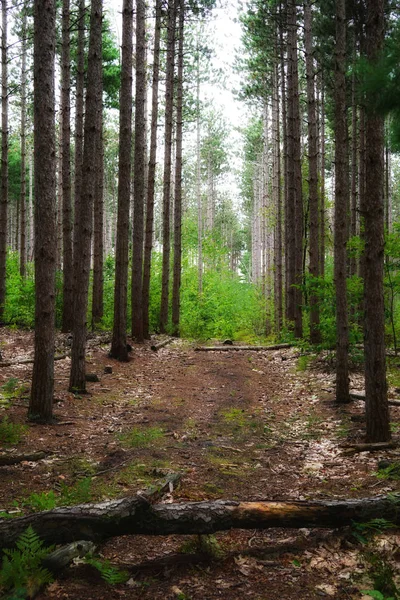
10,433
241,424
141,437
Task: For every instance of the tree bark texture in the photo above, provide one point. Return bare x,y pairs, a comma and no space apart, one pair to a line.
23,253
98,230
67,260
341,207
41,400
148,245
128,516
176,288
315,335
118,344
169,93
4,158
79,115
376,404
84,219
139,187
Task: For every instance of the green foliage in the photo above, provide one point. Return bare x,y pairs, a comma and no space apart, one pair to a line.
41,501
10,433
391,472
22,567
302,362
382,576
141,437
203,544
110,574
80,493
363,531
20,293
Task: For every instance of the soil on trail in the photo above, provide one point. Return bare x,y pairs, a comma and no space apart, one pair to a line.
237,425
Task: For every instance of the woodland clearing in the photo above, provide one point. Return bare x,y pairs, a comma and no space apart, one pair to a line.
237,426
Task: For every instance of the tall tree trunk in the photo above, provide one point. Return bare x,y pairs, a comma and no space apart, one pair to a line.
139,187
169,93
22,259
315,335
353,219
68,274
118,344
198,177
4,158
84,219
299,218
151,174
376,402
341,206
178,179
79,116
291,183
41,400
98,232
285,178
277,196
322,178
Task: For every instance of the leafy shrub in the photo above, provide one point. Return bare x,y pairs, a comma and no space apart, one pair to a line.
22,567
10,433
110,574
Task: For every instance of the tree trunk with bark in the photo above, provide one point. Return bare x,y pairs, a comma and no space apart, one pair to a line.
139,187
41,400
67,260
176,288
84,220
98,231
118,344
22,256
148,246
341,207
137,516
315,335
376,403
169,93
4,158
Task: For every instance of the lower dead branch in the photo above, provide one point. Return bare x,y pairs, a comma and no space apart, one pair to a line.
7,458
357,396
162,344
228,348
27,361
97,522
355,448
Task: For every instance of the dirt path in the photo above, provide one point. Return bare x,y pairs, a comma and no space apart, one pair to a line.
237,425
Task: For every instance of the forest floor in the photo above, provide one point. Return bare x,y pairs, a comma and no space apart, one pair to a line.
237,425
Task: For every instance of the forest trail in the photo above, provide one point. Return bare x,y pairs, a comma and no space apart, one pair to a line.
240,425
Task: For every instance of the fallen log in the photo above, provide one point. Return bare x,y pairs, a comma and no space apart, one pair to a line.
372,447
162,344
357,396
8,458
98,522
27,361
227,348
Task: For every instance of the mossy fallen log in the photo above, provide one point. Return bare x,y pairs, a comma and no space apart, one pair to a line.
97,522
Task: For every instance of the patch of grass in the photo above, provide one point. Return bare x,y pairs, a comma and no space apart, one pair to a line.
303,362
391,472
41,501
141,437
79,493
312,425
241,424
382,575
10,433
212,489
203,544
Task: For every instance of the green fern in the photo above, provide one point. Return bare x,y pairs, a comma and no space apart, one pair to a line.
110,574
22,569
